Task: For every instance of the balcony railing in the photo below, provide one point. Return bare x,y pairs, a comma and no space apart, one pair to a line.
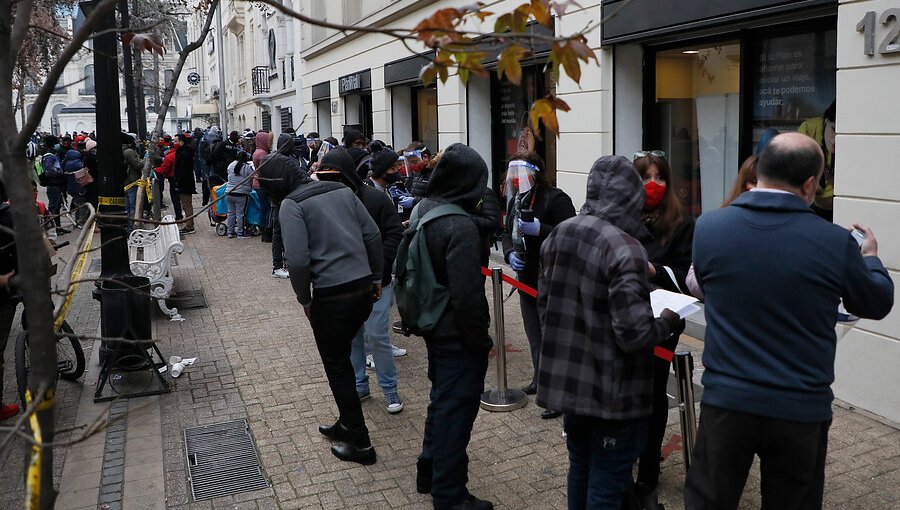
260,75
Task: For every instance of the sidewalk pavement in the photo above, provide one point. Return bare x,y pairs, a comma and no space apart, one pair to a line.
258,361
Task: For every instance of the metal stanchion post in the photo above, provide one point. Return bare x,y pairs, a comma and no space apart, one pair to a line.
503,398
684,370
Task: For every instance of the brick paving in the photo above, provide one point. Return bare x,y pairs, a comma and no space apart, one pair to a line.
258,361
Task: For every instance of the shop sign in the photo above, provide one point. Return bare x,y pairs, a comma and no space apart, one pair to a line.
354,83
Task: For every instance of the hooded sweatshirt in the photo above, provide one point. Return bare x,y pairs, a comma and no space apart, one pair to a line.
454,246
263,145
330,241
594,303
284,161
379,205
73,162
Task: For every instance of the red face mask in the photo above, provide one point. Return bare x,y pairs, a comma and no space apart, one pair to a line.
654,194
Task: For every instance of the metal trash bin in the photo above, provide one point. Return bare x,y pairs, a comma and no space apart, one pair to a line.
125,312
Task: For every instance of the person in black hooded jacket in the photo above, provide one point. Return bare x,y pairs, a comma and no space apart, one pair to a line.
522,240
285,161
184,180
339,166
458,353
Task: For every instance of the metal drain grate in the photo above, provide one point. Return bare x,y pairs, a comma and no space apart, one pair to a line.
222,460
187,299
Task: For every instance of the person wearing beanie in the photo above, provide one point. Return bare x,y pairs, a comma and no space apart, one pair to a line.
354,138
223,153
313,142
53,178
334,252
284,159
90,162
339,166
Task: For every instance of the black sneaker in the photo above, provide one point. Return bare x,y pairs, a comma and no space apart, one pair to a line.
473,503
186,231
62,231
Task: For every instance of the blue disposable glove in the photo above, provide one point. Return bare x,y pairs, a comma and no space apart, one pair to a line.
407,202
515,262
529,228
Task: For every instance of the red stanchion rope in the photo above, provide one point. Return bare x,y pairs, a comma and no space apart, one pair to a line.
659,352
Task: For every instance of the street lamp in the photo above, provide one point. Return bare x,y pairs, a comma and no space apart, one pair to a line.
113,249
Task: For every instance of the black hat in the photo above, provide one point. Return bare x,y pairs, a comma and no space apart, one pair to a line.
382,161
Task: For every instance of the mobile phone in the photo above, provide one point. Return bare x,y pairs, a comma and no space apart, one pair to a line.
526,215
858,235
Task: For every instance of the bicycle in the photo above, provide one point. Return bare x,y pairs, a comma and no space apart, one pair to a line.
70,359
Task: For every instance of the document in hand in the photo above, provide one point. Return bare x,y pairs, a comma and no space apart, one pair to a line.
681,304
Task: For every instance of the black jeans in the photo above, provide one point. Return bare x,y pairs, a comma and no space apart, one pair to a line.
335,321
648,466
277,242
528,306
791,454
457,381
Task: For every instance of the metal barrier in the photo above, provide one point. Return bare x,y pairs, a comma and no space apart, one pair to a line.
684,370
503,398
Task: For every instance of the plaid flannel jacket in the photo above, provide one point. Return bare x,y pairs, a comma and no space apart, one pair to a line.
594,304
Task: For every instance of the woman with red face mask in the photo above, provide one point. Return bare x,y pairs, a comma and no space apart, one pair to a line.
669,253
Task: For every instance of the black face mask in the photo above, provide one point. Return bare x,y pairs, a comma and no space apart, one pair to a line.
391,178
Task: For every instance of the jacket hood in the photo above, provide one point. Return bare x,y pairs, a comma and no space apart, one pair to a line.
263,141
615,193
280,180
286,144
460,177
340,159
73,154
213,135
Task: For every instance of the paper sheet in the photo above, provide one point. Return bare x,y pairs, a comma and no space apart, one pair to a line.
681,304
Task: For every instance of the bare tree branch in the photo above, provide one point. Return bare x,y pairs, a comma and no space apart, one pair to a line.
23,19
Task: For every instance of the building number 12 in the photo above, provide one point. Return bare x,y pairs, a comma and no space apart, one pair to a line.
890,43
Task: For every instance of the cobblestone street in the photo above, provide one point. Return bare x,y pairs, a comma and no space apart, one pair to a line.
257,360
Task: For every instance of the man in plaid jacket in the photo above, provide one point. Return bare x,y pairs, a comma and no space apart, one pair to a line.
599,333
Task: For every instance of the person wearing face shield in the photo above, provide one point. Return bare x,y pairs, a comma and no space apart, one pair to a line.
313,142
533,208
416,158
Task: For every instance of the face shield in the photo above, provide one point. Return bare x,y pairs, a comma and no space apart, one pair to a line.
323,150
520,178
414,161
403,166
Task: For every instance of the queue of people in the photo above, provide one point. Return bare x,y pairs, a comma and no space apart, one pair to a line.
345,216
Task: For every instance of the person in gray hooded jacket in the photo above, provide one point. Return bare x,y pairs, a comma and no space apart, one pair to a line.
334,257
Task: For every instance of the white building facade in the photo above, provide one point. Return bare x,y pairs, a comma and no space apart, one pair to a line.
72,106
261,69
702,83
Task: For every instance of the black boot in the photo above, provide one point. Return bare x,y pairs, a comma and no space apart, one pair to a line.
424,472
337,431
473,503
358,448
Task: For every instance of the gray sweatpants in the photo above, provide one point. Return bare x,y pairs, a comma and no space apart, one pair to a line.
236,206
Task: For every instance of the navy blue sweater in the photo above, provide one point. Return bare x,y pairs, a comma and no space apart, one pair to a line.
773,274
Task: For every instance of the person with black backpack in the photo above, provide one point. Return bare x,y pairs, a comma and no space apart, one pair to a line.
223,153
438,265
52,176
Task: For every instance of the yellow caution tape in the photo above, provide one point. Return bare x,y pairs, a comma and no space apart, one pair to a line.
120,201
144,183
33,476
77,269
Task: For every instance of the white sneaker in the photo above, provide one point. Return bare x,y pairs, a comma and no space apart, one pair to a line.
394,404
280,273
370,362
398,351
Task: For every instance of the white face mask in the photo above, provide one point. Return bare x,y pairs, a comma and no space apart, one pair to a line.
520,178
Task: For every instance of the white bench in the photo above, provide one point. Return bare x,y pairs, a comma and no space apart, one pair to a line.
151,253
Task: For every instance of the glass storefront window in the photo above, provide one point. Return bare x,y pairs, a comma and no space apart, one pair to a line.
426,121
696,120
794,79
512,129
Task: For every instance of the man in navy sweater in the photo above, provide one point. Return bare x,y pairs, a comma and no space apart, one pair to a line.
773,274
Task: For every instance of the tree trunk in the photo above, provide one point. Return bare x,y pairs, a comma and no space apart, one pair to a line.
163,105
